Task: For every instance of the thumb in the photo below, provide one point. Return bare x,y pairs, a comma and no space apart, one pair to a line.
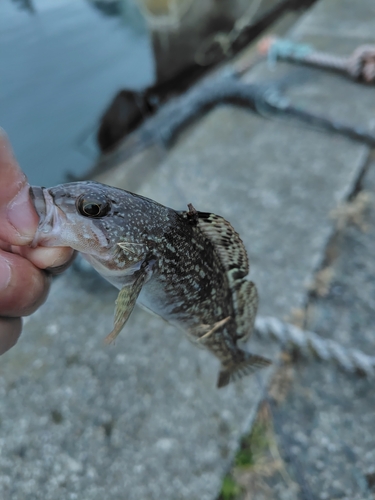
19,220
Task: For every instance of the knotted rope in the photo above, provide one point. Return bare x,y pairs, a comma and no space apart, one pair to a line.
350,360
359,66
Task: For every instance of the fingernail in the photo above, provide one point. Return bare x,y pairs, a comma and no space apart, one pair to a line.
21,215
5,274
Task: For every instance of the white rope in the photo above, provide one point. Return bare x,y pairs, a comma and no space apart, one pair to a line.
350,360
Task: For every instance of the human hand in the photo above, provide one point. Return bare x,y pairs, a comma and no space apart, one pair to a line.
24,271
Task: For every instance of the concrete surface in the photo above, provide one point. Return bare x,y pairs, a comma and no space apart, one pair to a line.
142,419
325,425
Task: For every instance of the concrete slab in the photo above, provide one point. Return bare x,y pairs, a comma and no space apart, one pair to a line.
340,19
325,425
142,419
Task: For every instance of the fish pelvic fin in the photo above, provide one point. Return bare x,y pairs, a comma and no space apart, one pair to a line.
246,365
124,305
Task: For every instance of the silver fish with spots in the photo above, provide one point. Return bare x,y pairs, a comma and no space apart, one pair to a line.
189,267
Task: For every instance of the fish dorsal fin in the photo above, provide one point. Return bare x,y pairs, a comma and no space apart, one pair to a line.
233,256
227,243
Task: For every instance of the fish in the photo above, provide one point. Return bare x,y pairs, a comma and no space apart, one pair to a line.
188,267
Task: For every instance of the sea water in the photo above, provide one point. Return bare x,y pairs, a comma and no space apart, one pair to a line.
61,63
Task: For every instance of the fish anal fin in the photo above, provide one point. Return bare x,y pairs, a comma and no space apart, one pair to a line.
237,370
212,329
125,303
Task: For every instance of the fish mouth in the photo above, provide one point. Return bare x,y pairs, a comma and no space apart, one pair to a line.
46,209
37,197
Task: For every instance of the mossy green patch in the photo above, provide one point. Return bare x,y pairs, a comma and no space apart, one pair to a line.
230,489
254,445
253,449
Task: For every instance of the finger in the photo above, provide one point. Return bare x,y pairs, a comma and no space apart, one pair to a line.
10,330
23,287
47,258
19,220
5,246
55,270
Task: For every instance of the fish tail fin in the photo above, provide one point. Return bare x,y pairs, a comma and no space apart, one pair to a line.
247,364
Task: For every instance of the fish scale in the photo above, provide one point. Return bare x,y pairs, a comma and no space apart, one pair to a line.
189,267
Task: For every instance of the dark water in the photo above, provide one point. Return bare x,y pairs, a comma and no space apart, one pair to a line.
61,62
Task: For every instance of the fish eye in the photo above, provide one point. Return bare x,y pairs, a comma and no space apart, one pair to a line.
94,207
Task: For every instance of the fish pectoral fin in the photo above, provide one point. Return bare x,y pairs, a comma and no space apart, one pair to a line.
135,249
124,305
213,328
245,365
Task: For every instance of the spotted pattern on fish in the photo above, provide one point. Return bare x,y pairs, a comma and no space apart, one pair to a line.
189,267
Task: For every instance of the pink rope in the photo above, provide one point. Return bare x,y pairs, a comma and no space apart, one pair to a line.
359,66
